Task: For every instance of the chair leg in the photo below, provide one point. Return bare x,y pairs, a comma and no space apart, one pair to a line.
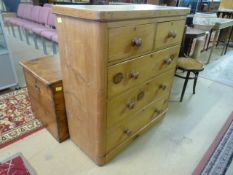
35,41
184,86
8,28
27,38
20,34
44,46
54,48
195,82
13,31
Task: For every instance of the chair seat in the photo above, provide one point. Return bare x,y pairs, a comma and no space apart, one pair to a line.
49,34
189,64
15,20
55,38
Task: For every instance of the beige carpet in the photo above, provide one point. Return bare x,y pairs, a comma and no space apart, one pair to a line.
220,70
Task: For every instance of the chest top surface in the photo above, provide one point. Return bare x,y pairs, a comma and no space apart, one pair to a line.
47,69
118,12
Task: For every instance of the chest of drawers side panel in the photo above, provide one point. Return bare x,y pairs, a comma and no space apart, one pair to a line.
83,51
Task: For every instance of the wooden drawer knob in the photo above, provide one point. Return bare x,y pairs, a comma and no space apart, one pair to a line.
131,104
118,78
157,111
37,88
172,34
162,86
127,132
140,95
167,61
136,42
134,75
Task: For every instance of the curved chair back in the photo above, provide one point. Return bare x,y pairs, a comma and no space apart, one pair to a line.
48,5
52,19
27,11
43,16
35,13
20,11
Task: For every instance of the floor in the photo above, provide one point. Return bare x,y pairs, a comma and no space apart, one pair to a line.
173,147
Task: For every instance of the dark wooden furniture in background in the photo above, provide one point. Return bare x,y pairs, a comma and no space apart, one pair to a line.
190,35
44,84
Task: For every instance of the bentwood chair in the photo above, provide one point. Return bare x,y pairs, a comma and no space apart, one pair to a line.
191,66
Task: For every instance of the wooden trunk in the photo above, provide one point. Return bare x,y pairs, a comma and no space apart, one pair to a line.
118,64
45,89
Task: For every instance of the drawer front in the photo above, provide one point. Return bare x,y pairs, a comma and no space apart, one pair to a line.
130,41
124,105
169,33
130,126
130,73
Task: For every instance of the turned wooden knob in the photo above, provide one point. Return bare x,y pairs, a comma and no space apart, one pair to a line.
162,86
157,111
37,88
140,95
168,61
127,131
118,78
137,42
134,75
172,34
131,104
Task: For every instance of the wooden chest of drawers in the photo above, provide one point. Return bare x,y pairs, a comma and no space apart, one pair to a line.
45,89
118,65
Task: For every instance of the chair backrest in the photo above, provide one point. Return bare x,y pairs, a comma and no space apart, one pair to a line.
20,11
43,16
35,12
52,19
27,11
47,5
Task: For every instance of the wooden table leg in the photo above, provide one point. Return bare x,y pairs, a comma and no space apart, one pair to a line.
228,40
212,47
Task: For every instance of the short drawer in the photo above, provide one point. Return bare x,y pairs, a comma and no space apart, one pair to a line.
168,33
124,105
130,126
130,73
130,41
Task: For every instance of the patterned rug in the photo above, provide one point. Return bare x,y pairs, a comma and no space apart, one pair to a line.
16,117
16,165
219,156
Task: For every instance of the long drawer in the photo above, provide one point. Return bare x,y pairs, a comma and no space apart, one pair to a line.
168,33
130,73
130,41
129,126
124,105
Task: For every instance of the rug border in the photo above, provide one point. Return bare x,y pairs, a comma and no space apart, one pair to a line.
21,137
201,165
25,161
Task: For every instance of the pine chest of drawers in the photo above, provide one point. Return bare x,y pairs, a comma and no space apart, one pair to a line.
45,89
118,63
